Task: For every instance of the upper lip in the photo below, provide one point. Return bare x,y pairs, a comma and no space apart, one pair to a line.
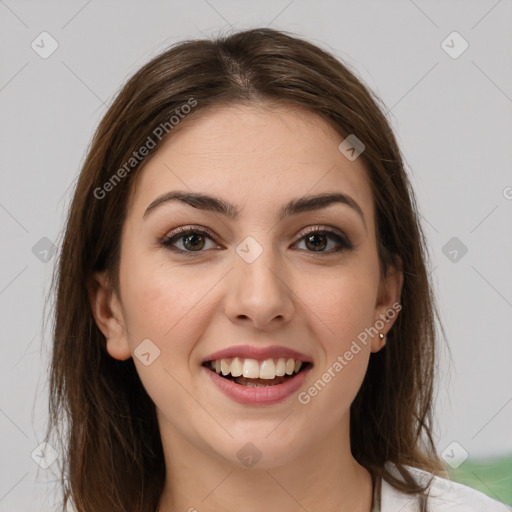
259,353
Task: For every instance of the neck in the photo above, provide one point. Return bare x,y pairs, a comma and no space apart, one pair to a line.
323,478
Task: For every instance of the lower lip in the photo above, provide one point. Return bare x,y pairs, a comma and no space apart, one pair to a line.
258,396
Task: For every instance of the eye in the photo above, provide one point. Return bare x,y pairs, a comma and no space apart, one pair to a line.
317,240
191,240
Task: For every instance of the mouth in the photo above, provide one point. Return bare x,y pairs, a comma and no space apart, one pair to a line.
249,372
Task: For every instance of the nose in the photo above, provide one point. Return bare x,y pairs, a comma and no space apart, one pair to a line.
260,292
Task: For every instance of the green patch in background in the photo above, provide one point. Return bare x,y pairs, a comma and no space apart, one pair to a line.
491,476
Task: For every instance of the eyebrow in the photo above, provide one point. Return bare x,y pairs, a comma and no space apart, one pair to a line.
217,205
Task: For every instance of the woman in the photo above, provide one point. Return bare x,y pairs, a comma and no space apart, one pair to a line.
243,315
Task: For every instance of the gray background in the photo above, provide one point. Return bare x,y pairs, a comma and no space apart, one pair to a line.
452,117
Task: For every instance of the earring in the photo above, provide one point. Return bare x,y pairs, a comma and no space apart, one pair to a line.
383,338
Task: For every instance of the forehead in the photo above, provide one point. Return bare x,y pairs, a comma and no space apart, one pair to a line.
253,155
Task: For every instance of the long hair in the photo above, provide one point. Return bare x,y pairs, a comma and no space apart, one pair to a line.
99,411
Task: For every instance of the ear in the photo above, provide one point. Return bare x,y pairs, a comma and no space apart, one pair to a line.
107,313
388,304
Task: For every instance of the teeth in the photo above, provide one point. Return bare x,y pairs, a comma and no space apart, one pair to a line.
224,367
267,369
236,367
256,385
280,367
252,369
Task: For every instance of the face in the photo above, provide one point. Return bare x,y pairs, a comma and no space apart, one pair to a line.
243,279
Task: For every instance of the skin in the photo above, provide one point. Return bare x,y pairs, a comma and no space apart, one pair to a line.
315,302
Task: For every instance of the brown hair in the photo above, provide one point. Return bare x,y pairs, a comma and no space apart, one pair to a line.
99,409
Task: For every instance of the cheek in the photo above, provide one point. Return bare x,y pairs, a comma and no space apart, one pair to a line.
163,305
343,311
343,303
169,304
153,302
344,306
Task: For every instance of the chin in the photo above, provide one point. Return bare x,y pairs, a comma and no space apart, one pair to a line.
258,451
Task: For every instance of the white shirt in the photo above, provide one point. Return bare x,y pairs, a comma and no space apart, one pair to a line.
445,496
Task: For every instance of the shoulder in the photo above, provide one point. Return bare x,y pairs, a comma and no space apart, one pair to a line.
444,496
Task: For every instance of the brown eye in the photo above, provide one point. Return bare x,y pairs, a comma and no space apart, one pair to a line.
194,242
317,240
189,240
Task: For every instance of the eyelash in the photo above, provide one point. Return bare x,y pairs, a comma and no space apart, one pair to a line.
168,241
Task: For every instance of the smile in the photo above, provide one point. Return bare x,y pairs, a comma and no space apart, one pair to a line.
253,373
258,380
